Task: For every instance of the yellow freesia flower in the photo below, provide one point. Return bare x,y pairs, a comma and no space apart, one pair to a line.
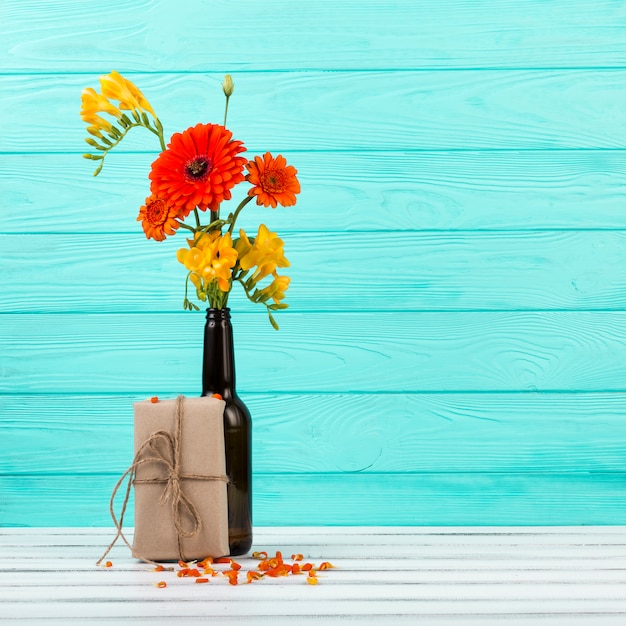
276,289
93,103
266,253
116,87
98,124
210,259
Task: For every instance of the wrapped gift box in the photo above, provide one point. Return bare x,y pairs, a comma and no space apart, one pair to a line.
181,507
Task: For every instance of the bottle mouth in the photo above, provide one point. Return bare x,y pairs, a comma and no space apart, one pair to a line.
218,314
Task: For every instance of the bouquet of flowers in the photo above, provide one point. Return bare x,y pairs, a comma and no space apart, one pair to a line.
194,174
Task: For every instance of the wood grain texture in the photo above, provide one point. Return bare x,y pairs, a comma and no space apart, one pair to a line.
142,35
415,271
352,499
356,352
455,348
355,191
450,576
372,433
423,110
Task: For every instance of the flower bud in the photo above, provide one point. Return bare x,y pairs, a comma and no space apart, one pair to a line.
228,85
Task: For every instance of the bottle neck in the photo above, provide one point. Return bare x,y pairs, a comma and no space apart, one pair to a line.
218,364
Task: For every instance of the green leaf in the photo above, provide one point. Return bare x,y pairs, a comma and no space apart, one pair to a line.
273,321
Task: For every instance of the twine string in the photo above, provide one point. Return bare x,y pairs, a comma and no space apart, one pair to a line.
165,449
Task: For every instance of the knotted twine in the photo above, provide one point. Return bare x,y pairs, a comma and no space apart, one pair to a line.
165,448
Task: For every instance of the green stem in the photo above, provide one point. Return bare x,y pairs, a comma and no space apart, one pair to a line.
226,110
183,225
159,132
195,212
237,212
126,126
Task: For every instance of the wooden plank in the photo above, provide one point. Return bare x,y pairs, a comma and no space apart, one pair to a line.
56,539
566,619
323,35
160,354
57,577
418,110
296,433
353,498
452,576
416,271
334,592
494,552
160,605
357,191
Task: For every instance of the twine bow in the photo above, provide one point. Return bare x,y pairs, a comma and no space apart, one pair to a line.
165,449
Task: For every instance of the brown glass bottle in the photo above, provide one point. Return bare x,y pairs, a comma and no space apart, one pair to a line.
218,376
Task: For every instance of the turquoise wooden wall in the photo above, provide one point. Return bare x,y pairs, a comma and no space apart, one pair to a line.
454,352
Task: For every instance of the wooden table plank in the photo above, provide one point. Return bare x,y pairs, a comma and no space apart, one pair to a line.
441,576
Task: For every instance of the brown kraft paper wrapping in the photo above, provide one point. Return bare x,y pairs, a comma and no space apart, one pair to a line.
201,501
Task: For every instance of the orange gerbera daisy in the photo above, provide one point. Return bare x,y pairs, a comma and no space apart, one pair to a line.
158,218
198,169
274,181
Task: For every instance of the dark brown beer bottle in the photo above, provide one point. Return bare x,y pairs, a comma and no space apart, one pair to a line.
218,376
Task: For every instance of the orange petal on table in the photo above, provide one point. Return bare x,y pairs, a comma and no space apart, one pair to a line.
253,576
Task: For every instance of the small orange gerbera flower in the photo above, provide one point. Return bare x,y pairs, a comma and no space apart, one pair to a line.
158,218
198,169
274,182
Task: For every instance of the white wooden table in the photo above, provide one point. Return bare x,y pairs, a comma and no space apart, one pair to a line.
443,576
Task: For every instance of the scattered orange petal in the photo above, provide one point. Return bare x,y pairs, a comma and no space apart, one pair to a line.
253,576
154,399
202,580
232,576
158,568
259,555
161,584
325,565
108,564
223,559
217,396
297,557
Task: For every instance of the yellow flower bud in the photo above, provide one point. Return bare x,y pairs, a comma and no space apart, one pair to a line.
228,85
